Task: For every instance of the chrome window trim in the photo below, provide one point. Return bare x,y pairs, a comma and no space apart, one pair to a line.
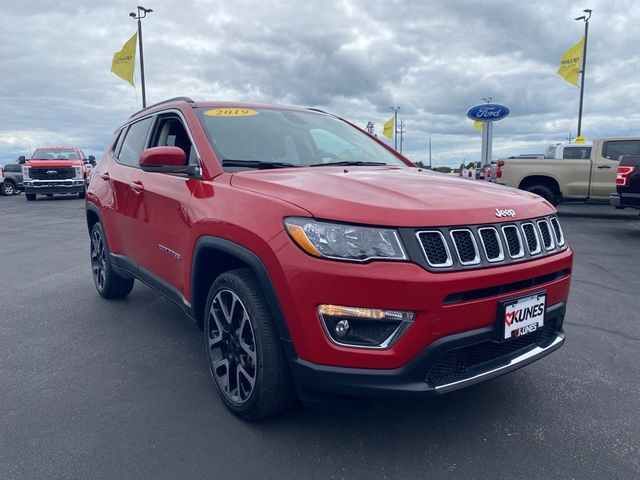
500,257
476,259
521,252
449,261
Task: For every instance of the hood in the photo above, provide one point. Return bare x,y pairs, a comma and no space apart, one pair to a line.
396,196
53,163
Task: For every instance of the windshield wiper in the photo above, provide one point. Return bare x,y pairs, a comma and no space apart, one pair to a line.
259,164
346,163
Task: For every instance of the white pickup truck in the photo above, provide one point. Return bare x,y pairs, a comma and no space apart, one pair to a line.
569,171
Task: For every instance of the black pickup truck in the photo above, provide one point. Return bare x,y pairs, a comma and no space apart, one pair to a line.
627,183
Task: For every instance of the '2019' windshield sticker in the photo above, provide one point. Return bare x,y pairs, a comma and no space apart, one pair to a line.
231,112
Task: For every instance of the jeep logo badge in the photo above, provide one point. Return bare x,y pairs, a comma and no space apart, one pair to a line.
505,213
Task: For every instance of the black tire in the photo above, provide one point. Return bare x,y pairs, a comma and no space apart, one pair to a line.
82,194
252,349
8,188
108,283
545,192
30,196
49,195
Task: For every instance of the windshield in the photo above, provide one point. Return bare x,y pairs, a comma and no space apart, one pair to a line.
265,137
55,154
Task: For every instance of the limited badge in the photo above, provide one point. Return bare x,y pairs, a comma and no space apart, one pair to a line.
231,112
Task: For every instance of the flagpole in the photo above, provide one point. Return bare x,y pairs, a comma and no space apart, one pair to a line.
584,64
142,13
395,127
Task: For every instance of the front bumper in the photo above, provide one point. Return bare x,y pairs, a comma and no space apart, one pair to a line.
450,363
54,186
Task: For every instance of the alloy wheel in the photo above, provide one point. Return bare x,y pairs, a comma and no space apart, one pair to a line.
98,259
8,188
232,347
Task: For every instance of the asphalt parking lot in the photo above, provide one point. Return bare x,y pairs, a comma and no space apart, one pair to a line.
97,389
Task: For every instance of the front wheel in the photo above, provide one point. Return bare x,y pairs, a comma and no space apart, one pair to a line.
82,194
245,359
30,196
8,188
108,283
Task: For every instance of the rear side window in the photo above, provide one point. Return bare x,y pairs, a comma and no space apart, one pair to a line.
614,149
576,152
134,142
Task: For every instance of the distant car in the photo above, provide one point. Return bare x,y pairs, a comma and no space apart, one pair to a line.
11,183
627,183
53,170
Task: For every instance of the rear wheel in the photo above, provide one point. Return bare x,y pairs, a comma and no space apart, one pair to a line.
8,188
30,196
245,359
108,283
545,192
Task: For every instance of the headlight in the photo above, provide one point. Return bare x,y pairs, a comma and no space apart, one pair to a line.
25,173
345,242
78,171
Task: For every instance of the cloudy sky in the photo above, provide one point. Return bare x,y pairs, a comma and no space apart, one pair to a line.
434,59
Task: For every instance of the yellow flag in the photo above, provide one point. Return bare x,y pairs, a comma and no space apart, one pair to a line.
124,60
478,125
571,63
387,130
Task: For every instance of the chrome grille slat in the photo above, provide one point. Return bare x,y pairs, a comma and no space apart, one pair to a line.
435,248
531,237
514,241
545,234
488,245
491,244
465,246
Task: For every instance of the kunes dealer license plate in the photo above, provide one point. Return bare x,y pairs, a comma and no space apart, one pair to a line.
523,315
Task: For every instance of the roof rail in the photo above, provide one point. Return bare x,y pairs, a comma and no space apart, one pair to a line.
316,110
174,99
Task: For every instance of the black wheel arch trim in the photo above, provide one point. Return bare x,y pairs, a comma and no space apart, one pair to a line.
259,269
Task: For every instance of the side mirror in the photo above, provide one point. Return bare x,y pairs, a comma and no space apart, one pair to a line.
92,160
165,160
22,160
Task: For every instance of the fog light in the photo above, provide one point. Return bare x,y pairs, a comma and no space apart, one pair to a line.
342,327
364,327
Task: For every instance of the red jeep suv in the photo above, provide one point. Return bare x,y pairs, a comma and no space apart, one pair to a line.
321,264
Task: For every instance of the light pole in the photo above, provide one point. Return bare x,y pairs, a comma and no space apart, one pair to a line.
142,13
585,18
395,127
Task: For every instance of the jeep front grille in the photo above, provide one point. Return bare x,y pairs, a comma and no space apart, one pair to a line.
454,248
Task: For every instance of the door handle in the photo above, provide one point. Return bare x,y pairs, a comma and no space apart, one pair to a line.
604,166
137,186
105,176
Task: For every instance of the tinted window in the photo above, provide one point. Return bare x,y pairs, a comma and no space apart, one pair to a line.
13,167
55,154
134,142
576,152
615,148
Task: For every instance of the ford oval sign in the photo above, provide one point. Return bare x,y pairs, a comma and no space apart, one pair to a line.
488,112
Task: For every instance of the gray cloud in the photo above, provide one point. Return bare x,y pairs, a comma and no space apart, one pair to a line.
355,58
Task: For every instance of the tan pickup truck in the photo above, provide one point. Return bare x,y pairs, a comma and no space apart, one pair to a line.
591,177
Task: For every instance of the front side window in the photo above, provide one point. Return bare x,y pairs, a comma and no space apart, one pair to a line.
134,142
614,149
170,132
289,138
